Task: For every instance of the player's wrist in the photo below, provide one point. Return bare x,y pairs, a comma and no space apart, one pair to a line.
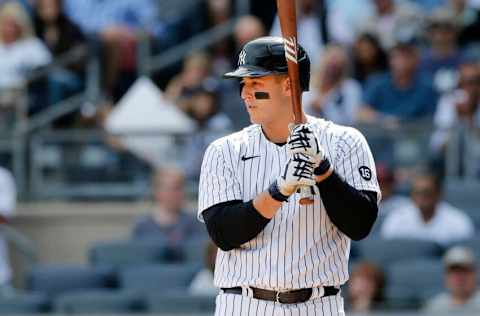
323,171
278,192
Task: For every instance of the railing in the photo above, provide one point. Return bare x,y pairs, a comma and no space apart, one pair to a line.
18,144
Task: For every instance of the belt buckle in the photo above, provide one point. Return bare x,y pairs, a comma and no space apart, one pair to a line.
277,297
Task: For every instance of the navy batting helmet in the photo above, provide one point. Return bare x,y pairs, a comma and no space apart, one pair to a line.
266,56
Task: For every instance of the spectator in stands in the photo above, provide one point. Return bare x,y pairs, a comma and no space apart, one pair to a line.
309,29
460,280
365,288
202,283
442,57
8,198
460,107
196,69
428,217
346,17
20,50
334,95
169,220
119,26
61,36
369,58
246,29
210,123
467,19
394,21
401,95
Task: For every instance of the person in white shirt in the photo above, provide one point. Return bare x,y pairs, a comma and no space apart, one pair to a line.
428,217
460,280
20,50
8,195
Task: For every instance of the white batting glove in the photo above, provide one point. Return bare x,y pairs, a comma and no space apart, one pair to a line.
302,139
297,172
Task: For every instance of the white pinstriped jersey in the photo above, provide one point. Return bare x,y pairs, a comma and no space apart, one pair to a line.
299,247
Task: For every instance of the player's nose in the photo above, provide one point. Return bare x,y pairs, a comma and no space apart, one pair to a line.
246,92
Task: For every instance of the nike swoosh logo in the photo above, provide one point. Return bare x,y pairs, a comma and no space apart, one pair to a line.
244,158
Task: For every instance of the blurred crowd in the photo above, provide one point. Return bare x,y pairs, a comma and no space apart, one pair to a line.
382,64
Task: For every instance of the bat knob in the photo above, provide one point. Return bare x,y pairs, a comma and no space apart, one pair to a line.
306,201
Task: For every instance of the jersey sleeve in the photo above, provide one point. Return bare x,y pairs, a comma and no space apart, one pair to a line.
217,180
354,162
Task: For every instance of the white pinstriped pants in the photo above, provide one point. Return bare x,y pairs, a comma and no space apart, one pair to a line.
240,305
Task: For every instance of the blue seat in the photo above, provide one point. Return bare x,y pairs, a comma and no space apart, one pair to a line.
414,280
58,279
98,302
24,304
158,277
194,249
121,253
179,302
385,251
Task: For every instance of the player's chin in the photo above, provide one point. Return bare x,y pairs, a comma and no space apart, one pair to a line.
254,119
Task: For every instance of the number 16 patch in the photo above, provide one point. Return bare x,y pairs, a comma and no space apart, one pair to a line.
365,173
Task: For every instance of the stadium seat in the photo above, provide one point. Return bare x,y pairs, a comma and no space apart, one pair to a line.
158,277
98,302
24,304
464,195
180,303
383,252
413,281
194,249
59,279
122,253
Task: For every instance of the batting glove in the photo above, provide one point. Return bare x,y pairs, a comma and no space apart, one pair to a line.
303,140
298,171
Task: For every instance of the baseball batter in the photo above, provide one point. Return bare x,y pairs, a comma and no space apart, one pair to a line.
278,257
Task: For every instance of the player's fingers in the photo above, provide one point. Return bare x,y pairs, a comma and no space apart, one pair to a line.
307,182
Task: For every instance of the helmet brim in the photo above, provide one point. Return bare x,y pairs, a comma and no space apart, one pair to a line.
252,72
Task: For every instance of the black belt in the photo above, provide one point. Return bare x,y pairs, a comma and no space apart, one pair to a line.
289,297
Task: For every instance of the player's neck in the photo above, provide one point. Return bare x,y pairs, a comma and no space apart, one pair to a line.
277,132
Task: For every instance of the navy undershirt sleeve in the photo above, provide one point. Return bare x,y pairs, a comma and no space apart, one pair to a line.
233,223
352,211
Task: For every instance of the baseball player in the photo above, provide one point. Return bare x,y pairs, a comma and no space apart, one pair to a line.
277,256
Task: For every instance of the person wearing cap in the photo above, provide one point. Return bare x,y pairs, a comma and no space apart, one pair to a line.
279,253
460,281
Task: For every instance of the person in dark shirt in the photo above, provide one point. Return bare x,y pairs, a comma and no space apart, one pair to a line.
61,36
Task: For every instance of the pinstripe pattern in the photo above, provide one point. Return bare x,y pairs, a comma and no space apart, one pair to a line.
300,247
238,305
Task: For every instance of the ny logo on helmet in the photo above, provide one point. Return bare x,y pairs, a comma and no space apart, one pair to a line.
241,57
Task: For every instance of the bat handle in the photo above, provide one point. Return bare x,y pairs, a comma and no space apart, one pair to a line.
306,195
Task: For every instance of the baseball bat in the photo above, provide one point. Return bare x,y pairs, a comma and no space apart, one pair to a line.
287,15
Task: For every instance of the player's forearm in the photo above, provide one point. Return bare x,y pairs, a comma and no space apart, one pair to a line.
233,223
266,205
354,213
